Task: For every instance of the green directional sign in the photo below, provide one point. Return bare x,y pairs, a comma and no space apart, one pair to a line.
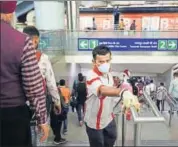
43,44
162,44
172,45
83,44
93,44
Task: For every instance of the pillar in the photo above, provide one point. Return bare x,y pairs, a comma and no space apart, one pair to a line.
50,15
72,15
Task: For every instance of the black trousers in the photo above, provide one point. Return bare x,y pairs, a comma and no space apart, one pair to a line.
102,138
15,127
158,103
56,125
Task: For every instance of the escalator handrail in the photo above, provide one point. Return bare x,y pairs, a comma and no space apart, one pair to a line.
157,118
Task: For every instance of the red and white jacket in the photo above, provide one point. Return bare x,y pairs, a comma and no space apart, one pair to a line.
98,109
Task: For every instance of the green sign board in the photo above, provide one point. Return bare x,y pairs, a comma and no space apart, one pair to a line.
93,44
85,44
172,45
44,43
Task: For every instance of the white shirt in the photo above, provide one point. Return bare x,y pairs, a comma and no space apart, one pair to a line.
161,93
147,89
48,74
99,109
152,87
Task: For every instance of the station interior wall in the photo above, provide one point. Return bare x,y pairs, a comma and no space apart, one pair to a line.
69,72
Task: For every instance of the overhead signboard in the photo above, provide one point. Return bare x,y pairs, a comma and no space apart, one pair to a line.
129,44
44,43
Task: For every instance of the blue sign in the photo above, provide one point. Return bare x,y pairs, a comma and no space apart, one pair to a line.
129,44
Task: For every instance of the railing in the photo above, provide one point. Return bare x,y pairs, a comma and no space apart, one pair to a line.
173,106
158,118
66,42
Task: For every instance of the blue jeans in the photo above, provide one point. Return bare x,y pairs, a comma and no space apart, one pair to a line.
80,107
65,122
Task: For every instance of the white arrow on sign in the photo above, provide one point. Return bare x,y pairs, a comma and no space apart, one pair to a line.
43,43
83,44
172,44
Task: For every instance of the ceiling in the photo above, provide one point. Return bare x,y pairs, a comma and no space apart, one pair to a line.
137,68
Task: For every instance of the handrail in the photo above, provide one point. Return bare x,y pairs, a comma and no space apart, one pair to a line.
158,118
137,31
173,104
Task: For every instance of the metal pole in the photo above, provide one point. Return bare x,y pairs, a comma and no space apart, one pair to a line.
137,134
117,122
170,116
123,127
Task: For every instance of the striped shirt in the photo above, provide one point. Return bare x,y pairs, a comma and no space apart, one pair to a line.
32,82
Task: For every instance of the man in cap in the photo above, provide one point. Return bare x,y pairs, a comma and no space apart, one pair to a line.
20,81
126,77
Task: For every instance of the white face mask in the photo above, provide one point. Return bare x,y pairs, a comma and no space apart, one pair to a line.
104,68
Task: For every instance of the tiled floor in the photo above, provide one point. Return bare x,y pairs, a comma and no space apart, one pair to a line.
151,134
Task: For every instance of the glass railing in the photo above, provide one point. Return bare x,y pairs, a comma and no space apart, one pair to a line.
66,42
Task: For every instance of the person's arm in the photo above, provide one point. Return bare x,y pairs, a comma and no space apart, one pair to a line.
97,88
33,83
51,82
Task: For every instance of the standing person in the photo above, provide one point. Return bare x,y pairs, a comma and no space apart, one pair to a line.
20,80
99,117
147,88
65,93
133,26
173,88
74,90
94,24
121,25
126,80
152,89
49,82
81,98
161,96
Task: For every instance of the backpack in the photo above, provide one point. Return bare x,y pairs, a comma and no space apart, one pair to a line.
81,92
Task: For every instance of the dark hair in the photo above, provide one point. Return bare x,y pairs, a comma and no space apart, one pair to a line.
100,50
81,78
62,82
31,31
175,74
151,81
162,84
80,75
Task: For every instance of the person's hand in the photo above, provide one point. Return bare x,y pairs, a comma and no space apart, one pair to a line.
44,130
57,108
130,100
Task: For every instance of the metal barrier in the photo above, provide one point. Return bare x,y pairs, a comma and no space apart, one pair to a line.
173,103
158,118
139,120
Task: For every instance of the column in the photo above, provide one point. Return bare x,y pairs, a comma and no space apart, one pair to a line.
50,15
73,15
